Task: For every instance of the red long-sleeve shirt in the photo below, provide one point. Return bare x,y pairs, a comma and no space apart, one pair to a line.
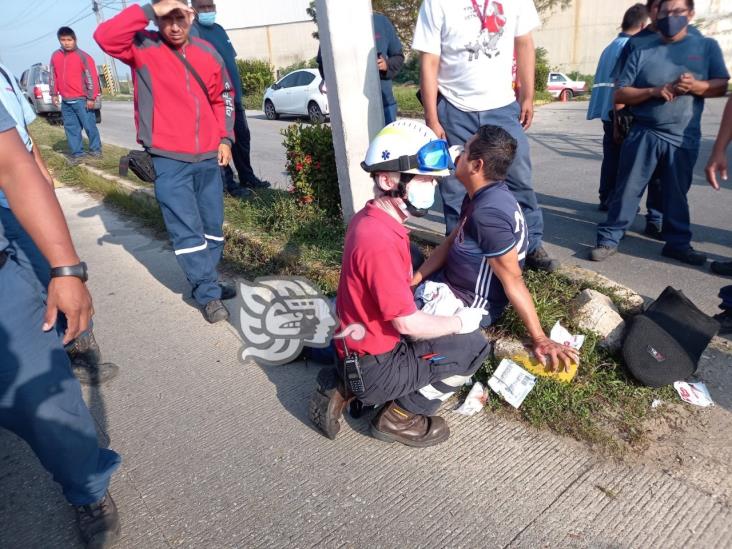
175,118
74,75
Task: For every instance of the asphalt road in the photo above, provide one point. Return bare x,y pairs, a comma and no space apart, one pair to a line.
566,155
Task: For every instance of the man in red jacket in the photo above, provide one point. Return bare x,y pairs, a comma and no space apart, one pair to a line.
184,113
74,78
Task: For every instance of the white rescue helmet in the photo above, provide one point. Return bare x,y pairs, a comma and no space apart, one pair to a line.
408,146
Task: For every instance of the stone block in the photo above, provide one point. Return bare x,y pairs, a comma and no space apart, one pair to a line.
595,312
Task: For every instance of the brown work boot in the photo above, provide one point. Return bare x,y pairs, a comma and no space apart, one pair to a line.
329,400
395,424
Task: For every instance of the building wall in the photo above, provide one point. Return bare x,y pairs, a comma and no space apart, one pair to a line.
574,38
281,45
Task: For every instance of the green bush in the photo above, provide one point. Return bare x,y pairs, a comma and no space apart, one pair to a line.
310,64
256,75
589,79
310,163
410,71
542,70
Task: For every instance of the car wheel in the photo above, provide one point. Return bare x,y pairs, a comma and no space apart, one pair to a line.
566,95
98,116
315,114
269,110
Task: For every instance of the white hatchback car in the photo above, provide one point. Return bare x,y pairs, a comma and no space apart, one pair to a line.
297,93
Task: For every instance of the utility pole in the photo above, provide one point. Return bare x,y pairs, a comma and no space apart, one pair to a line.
110,61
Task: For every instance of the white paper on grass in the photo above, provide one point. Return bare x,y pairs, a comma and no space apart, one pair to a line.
475,400
694,393
512,382
560,334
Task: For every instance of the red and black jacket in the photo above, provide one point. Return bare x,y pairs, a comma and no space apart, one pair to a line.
173,115
74,75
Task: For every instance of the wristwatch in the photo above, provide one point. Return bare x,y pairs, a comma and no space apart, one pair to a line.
78,270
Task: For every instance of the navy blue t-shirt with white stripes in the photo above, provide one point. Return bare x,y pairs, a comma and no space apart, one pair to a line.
491,225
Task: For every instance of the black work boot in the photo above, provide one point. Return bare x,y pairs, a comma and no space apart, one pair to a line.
99,523
723,268
215,311
685,255
395,424
725,322
329,400
539,260
86,361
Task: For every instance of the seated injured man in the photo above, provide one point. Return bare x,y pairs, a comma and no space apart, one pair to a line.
480,263
391,353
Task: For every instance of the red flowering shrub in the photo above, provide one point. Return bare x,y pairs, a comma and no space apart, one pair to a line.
311,166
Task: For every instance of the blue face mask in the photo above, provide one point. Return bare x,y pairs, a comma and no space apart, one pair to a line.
672,25
207,18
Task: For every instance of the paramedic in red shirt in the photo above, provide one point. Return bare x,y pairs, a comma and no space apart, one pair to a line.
187,130
74,77
410,361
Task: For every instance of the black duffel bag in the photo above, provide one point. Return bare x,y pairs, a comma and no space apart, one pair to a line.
141,164
665,343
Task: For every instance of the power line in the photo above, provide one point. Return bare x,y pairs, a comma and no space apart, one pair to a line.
75,19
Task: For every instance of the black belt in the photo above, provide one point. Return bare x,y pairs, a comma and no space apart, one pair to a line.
3,259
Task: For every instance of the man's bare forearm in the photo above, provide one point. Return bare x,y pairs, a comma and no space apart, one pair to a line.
520,297
33,202
429,67
717,87
525,65
634,96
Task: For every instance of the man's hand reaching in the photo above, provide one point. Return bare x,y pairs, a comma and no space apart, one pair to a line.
164,7
68,295
558,357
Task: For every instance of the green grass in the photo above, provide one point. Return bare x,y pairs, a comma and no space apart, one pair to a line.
273,234
407,101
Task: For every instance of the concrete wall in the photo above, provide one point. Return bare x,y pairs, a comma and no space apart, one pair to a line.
281,45
574,38
239,14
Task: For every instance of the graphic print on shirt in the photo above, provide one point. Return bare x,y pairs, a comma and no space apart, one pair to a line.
492,20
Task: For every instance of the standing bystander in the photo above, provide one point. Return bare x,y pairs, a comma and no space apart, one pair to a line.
185,119
74,78
601,102
467,56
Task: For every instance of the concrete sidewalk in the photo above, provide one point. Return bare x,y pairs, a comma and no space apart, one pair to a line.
220,454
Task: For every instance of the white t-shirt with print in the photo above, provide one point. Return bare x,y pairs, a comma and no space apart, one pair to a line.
475,63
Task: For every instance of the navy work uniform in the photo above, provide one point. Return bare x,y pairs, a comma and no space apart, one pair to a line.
40,399
664,138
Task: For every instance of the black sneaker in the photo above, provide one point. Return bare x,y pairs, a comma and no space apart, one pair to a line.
85,349
723,268
603,207
654,231
94,374
215,311
227,292
725,322
602,252
239,192
99,523
687,255
539,260
258,184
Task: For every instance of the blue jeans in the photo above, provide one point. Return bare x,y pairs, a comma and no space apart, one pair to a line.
461,126
609,177
390,113
76,116
191,198
40,399
642,155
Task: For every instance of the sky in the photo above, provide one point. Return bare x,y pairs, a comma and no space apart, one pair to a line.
28,30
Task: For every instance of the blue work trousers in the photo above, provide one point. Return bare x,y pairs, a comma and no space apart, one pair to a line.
642,154
40,399
76,116
609,176
390,113
460,126
191,198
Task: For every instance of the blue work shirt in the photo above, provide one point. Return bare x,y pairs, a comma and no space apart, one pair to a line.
7,122
217,37
601,101
677,121
16,106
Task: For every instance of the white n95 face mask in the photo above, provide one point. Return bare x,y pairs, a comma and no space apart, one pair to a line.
421,195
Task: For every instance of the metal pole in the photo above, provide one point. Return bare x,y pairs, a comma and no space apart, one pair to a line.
114,86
